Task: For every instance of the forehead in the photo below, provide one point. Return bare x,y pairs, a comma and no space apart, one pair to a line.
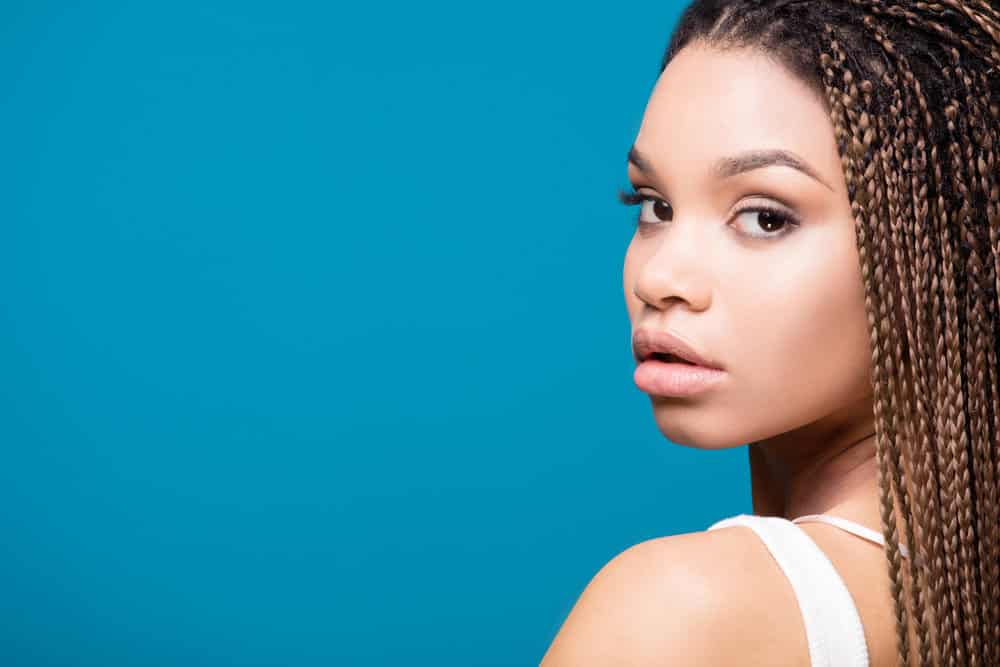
709,103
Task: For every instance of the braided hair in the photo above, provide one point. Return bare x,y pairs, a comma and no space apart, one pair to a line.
913,92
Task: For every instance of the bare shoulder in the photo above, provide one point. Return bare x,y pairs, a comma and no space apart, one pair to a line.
694,599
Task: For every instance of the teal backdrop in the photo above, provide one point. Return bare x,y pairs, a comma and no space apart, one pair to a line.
313,346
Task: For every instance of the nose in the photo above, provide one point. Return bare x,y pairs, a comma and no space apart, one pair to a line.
678,268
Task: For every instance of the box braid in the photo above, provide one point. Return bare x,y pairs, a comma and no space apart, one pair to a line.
913,92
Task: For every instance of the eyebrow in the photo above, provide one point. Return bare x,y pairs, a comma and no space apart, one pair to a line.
746,161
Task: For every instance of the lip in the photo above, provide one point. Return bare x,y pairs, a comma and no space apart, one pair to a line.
646,341
666,378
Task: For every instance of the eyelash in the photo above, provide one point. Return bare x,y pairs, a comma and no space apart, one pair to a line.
634,198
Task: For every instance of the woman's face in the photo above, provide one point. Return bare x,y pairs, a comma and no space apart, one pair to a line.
780,306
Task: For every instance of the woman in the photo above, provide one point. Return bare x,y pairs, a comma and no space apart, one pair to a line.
818,227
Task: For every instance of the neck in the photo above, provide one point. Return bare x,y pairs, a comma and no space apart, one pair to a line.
828,467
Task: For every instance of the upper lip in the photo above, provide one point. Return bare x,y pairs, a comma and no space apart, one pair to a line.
646,341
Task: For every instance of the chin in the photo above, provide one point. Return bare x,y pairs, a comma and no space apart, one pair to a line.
697,431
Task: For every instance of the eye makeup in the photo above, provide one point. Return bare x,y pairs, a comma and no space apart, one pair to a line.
774,214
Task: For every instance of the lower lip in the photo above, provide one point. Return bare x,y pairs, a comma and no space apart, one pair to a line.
664,378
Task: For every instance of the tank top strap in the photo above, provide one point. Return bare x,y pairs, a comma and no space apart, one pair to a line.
833,626
851,527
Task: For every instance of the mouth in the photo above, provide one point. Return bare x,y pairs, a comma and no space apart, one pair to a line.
669,358
663,373
665,346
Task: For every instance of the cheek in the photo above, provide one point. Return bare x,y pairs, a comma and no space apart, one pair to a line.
807,350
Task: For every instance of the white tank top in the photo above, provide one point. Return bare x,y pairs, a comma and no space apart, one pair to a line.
833,626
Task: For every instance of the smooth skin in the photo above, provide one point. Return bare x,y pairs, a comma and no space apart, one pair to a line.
782,309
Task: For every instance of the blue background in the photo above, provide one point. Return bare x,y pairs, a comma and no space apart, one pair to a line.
314,348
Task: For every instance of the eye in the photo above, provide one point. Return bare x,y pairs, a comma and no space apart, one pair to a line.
774,221
653,209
